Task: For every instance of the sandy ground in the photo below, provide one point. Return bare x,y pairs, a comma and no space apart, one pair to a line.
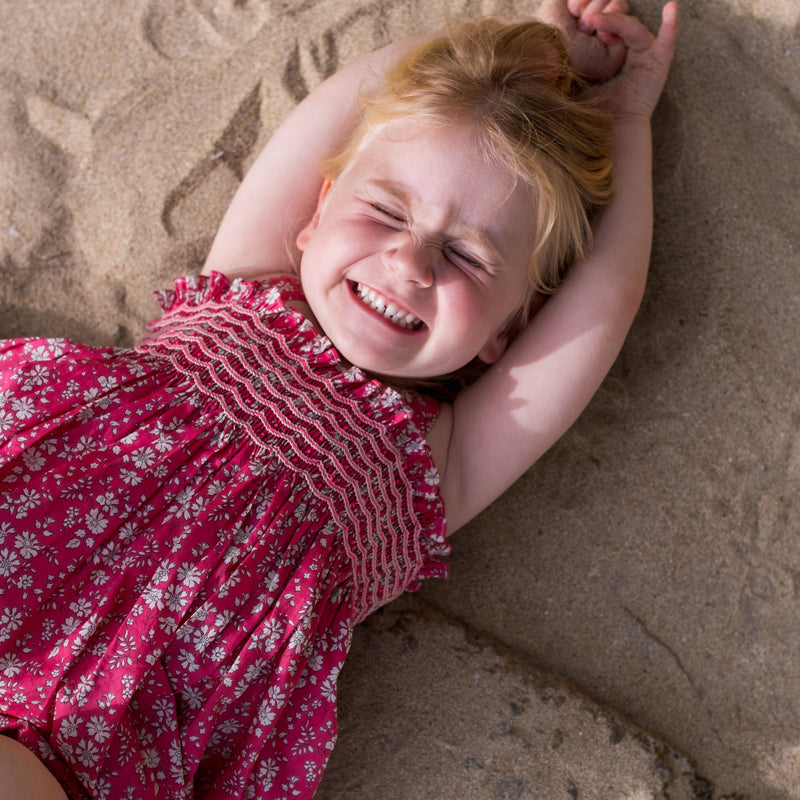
651,559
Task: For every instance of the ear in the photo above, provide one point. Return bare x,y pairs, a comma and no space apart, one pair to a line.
500,341
494,348
305,234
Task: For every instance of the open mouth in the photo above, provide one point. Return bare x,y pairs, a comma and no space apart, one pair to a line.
388,310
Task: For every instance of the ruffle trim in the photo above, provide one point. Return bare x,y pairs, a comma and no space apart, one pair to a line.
406,416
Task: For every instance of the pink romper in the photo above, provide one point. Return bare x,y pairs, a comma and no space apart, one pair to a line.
189,531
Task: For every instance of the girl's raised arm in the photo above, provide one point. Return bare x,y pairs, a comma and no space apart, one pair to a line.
279,193
503,423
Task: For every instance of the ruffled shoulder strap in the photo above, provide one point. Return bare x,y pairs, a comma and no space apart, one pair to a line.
195,290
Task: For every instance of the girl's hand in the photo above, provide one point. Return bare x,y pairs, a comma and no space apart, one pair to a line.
634,91
595,54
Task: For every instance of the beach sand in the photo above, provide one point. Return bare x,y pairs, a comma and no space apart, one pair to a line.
623,622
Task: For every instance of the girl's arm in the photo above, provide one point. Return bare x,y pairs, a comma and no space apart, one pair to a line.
279,193
503,423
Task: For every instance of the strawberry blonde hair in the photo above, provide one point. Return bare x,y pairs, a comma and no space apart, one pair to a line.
514,83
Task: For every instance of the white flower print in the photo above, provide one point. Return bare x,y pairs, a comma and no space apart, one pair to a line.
231,555
203,637
328,686
165,442
130,477
153,597
83,445
37,375
192,697
101,788
95,522
143,458
188,661
6,421
69,726
276,696
268,770
90,394
25,581
312,770
165,712
34,459
223,617
9,562
46,349
163,572
150,758
99,728
11,665
183,502
175,597
273,580
84,690
87,752
70,625
28,500
81,606
108,502
297,640
218,653
266,714
127,531
107,382
23,407
189,575
230,726
315,662
27,544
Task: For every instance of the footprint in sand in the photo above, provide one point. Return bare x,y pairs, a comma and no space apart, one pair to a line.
179,29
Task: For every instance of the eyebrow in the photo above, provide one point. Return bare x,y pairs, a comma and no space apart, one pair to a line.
477,236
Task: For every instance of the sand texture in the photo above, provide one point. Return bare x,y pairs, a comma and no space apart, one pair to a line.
651,561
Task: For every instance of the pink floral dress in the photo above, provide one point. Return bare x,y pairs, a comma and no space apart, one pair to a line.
189,531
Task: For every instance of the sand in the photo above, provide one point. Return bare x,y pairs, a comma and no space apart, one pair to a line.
623,622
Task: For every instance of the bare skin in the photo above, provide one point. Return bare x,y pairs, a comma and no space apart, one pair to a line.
23,776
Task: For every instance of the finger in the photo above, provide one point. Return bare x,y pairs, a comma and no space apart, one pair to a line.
576,7
594,7
608,6
664,47
629,29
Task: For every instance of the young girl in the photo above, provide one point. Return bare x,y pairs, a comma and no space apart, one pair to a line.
191,529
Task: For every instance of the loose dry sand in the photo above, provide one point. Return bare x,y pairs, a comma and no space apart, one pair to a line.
652,558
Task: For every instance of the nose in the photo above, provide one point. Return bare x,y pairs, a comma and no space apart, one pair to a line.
410,258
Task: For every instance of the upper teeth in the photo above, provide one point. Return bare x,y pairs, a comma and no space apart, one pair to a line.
389,310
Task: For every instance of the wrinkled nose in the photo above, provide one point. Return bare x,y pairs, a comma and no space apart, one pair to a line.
410,259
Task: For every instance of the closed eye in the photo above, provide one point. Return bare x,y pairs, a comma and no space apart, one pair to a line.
388,213
459,257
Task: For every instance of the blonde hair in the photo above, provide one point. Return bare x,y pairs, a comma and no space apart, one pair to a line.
513,82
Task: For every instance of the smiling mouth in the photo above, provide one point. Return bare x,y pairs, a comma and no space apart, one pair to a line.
388,310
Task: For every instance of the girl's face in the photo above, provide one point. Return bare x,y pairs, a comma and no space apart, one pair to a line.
416,257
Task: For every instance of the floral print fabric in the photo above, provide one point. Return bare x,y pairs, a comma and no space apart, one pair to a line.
189,531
